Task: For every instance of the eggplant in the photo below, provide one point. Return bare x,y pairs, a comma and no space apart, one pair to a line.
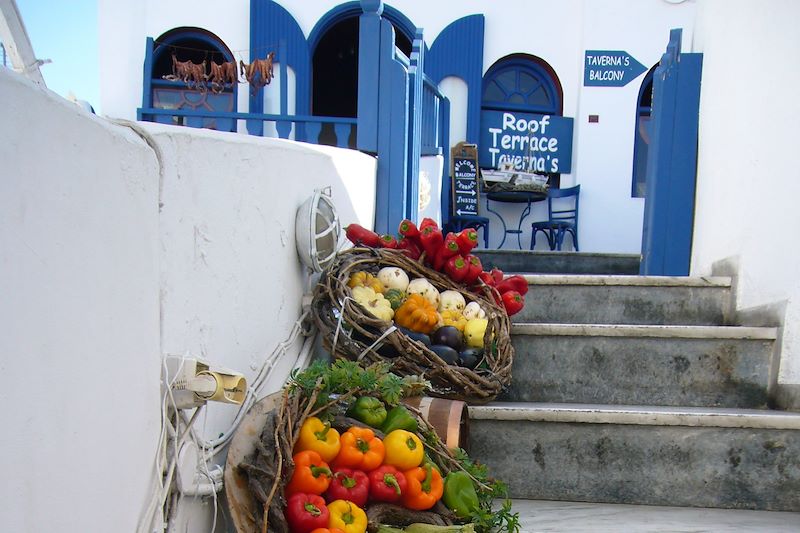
446,353
469,358
415,336
448,336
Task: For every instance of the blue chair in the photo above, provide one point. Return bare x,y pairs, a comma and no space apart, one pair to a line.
559,221
458,223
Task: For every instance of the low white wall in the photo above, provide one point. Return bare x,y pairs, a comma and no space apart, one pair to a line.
748,179
79,314
113,252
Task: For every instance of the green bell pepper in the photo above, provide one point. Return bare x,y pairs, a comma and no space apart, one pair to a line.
459,494
400,418
368,410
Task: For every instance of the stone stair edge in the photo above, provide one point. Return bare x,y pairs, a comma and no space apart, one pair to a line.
659,331
627,280
717,417
491,251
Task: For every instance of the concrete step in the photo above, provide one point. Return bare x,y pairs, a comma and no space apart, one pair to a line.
524,261
716,366
602,299
541,516
688,457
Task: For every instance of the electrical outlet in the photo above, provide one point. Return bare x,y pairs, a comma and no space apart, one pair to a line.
194,382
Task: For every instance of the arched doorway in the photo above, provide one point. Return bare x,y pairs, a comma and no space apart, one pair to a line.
334,64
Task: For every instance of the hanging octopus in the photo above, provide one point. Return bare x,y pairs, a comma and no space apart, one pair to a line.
259,72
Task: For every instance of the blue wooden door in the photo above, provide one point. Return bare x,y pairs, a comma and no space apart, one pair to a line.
672,163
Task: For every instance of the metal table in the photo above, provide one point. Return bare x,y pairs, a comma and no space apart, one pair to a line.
514,197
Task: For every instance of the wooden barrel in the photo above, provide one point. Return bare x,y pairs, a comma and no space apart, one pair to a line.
450,419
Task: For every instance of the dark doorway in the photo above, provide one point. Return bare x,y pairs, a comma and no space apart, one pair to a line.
335,69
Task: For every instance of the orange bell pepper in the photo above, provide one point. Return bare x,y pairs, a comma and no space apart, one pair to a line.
424,487
319,437
327,530
361,450
311,474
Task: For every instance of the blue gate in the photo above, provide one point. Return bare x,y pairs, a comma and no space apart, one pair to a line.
672,163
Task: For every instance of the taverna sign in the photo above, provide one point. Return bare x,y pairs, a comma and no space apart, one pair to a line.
529,141
610,68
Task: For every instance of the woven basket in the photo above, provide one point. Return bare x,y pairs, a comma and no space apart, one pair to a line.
349,331
259,464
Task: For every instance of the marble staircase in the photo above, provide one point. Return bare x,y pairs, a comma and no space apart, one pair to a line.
639,390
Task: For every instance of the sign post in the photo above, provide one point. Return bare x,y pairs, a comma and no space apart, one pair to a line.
465,179
610,68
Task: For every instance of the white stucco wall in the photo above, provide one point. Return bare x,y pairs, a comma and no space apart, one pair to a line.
79,313
748,179
114,251
557,31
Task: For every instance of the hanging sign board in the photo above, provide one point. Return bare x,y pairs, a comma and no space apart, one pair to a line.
610,68
541,143
464,180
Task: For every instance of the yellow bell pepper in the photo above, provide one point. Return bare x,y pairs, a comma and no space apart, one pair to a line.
375,303
403,449
319,437
347,516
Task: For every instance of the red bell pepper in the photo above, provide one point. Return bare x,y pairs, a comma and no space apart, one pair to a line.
450,246
456,268
409,247
408,229
431,240
349,484
359,235
487,278
386,484
388,241
475,269
428,222
467,240
306,512
497,274
513,302
513,283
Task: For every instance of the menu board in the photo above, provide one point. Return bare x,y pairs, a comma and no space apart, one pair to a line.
464,179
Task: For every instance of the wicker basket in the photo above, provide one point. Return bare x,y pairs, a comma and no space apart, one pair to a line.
259,464
349,331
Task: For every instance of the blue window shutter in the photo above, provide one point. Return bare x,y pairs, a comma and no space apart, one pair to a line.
458,51
269,24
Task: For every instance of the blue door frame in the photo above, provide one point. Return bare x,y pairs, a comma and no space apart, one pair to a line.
672,163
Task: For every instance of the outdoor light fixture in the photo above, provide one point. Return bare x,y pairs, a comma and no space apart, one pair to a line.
316,230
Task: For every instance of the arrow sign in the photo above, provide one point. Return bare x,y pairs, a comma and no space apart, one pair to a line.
610,68
465,178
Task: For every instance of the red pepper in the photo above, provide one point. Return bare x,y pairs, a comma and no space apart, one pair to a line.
431,240
428,222
497,274
487,278
475,269
386,484
409,247
388,241
467,240
513,302
359,235
349,484
513,283
456,268
408,229
306,512
450,246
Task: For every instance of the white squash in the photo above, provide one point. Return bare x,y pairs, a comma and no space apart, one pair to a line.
424,288
474,310
393,278
451,300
